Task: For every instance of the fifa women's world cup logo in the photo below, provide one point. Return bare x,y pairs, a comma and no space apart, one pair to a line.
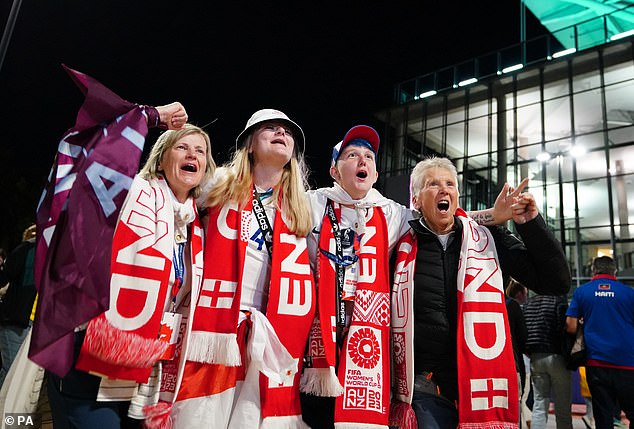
364,348
363,384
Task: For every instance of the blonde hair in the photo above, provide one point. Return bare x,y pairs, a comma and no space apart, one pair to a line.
236,185
421,169
514,288
168,139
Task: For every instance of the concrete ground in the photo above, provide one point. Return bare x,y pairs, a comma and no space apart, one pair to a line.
578,411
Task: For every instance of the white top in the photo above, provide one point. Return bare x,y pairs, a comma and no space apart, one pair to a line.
352,224
257,264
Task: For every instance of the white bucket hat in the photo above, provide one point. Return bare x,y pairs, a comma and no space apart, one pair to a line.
265,115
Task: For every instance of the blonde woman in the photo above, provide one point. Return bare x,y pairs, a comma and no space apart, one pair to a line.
257,299
138,345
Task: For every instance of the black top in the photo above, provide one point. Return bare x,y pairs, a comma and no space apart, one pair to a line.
517,326
538,262
545,321
17,303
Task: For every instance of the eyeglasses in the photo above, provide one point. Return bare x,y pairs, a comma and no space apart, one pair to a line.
274,128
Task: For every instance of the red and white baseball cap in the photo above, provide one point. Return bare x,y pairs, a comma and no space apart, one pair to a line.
359,134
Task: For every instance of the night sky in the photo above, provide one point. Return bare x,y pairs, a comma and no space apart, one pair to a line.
329,66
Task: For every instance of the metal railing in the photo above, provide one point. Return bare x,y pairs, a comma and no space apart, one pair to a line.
583,35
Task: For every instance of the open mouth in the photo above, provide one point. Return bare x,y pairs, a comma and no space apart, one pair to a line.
191,168
443,206
362,174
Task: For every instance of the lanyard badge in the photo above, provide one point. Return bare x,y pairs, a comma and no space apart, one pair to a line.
171,321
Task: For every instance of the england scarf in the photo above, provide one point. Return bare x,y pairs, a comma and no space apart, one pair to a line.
363,369
487,381
217,372
123,343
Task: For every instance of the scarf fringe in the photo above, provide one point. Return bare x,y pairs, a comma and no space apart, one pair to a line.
158,416
348,425
147,394
489,425
118,347
214,347
402,415
284,422
320,382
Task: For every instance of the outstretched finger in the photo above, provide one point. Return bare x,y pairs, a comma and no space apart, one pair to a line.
515,192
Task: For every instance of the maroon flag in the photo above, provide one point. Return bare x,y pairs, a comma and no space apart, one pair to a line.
76,216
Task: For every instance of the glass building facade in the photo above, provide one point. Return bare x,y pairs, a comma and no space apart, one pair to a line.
566,123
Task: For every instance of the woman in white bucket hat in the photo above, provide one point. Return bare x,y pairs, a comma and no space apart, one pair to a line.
258,299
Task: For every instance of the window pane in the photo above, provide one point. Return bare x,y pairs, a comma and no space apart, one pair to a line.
593,203
621,135
434,120
595,233
588,112
529,123
591,165
478,161
619,100
528,153
625,262
622,161
619,72
480,108
433,139
587,79
527,96
555,89
557,118
590,141
510,129
455,139
455,115
623,205
478,136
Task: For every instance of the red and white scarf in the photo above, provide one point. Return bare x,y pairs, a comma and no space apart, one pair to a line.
217,374
363,368
122,343
487,381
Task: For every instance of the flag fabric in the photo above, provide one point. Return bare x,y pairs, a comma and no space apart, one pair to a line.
91,175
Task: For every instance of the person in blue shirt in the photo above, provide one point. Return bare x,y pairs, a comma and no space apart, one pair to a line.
606,308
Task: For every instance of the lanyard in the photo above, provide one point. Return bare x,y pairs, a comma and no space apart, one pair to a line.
263,222
340,268
179,271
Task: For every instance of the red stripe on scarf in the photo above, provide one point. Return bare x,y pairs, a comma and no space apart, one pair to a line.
487,381
216,315
403,316
365,357
290,310
141,268
291,303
